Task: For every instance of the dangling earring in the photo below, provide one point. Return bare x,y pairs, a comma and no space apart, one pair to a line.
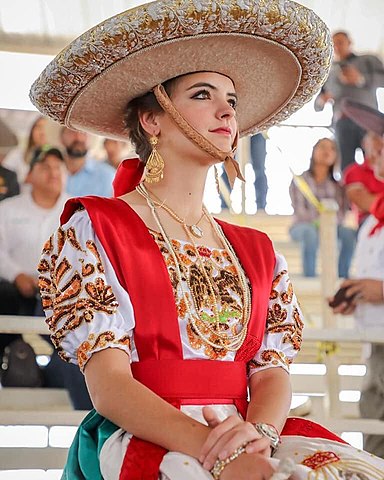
154,168
217,180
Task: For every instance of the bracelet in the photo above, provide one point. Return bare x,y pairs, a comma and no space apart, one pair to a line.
219,465
269,431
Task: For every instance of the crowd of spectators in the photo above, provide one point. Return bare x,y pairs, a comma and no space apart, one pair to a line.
35,183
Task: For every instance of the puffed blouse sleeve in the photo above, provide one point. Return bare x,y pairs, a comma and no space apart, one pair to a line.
284,325
87,310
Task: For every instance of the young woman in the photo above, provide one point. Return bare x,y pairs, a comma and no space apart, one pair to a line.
18,159
305,229
171,314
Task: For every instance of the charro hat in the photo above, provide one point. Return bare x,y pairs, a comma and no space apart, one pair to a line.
277,53
366,117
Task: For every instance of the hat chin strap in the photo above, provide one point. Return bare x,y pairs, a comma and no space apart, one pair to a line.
231,167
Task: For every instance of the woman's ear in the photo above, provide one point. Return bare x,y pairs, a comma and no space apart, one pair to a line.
149,121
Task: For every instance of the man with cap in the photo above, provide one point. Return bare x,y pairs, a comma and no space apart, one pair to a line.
365,293
8,179
25,222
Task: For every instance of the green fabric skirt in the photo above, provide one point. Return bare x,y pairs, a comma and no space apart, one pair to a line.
83,456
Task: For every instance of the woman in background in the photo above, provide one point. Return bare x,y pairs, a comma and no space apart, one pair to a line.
305,229
19,159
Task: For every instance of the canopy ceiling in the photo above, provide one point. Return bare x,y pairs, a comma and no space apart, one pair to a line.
46,26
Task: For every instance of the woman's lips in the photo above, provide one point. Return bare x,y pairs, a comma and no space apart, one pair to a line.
222,131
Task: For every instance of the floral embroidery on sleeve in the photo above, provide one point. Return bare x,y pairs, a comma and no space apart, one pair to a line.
278,314
69,295
98,342
284,325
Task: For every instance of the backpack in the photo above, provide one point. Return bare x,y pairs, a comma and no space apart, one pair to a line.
19,367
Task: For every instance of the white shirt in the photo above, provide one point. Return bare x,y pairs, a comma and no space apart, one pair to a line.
369,258
24,228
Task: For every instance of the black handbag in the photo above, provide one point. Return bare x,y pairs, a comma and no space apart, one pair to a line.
19,367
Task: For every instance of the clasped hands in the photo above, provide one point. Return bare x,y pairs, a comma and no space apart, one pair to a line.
228,435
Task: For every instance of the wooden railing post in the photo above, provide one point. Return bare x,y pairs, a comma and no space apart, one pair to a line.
329,276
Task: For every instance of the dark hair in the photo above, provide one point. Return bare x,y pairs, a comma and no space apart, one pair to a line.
342,32
40,154
145,103
331,169
29,151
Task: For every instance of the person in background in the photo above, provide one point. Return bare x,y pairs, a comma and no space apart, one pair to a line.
364,294
19,159
86,176
361,184
25,221
305,229
9,185
351,76
184,325
114,150
258,154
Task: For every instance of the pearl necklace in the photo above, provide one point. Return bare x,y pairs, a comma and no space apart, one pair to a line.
222,341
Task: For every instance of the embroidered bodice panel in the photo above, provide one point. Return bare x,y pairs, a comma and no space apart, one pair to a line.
193,294
88,310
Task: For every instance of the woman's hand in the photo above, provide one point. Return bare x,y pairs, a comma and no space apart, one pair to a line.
228,435
248,467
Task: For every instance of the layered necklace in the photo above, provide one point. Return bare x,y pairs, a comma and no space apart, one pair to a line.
193,229
216,338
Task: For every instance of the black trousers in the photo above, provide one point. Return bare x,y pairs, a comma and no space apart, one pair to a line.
13,303
348,137
57,374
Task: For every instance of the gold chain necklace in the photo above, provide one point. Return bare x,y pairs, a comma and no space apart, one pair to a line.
194,228
221,341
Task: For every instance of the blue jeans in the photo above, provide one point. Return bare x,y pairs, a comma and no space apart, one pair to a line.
258,154
308,236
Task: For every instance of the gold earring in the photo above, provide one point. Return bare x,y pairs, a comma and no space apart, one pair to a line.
154,168
217,180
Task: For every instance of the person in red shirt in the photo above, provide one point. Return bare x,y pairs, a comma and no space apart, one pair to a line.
361,184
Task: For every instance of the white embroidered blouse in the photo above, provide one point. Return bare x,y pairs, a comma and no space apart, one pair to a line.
88,310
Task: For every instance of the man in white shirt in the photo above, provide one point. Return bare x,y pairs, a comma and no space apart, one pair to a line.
26,222
364,295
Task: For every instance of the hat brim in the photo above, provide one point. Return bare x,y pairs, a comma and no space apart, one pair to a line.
366,117
277,56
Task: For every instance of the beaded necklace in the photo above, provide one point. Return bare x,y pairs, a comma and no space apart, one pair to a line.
221,341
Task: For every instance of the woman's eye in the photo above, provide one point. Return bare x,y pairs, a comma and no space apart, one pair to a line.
202,95
233,103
